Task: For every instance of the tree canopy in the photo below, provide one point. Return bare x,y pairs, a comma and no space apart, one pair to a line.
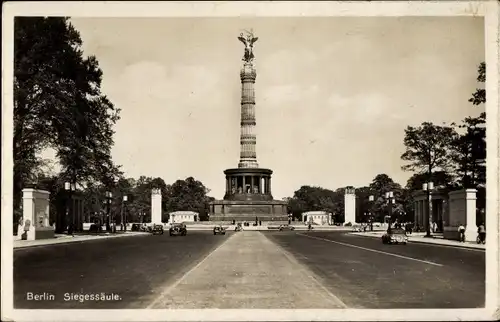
427,147
58,104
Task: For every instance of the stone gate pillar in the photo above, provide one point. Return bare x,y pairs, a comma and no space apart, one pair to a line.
350,206
35,221
156,210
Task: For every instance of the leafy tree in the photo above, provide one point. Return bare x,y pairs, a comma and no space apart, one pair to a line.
427,147
469,148
469,152
439,178
187,195
363,204
479,96
381,184
309,198
58,104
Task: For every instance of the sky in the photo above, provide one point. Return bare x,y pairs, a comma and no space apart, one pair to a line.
333,94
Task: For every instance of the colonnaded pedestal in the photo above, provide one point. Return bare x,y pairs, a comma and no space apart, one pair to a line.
248,188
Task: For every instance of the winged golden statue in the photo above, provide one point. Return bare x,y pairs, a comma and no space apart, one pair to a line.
248,41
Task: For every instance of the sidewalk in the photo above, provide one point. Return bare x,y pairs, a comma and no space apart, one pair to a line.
251,272
63,239
419,238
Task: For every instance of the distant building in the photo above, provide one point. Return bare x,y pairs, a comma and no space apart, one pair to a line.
183,216
317,217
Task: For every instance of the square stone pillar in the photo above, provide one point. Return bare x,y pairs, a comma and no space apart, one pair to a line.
350,206
156,209
470,206
35,221
462,210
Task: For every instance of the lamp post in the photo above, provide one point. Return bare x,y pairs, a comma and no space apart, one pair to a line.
123,214
389,196
109,196
69,188
428,187
371,200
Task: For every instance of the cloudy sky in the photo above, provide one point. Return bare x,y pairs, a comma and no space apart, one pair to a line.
333,95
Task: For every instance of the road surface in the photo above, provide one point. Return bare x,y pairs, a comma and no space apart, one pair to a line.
249,269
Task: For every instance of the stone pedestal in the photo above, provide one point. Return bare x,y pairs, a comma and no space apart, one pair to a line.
350,206
462,210
35,221
248,198
156,209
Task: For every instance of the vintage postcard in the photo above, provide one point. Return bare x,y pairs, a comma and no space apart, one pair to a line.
250,161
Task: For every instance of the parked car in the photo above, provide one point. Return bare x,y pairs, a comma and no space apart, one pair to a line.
357,228
157,230
286,227
219,230
395,236
178,229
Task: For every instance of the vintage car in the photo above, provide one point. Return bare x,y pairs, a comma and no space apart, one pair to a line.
157,230
286,227
357,228
178,229
219,230
395,236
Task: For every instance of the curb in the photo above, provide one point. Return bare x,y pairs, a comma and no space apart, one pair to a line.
427,243
70,241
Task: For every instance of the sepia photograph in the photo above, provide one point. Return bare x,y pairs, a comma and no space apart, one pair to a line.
237,162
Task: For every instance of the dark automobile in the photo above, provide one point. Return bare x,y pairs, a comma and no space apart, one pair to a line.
178,229
157,230
219,230
286,227
395,236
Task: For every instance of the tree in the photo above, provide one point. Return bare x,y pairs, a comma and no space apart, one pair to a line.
187,195
469,148
469,152
427,148
439,178
58,104
381,184
479,96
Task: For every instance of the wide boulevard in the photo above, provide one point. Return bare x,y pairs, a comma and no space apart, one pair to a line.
249,269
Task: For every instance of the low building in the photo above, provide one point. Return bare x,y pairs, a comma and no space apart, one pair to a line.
317,217
183,216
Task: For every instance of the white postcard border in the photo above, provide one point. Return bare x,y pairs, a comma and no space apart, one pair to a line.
488,9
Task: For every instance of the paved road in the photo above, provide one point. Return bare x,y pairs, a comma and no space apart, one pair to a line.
251,269
364,273
134,268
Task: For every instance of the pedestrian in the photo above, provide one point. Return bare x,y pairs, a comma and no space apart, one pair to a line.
461,232
482,232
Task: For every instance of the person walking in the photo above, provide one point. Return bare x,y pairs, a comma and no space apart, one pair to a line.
461,232
482,233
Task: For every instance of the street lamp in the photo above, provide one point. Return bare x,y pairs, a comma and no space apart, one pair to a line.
124,203
109,196
428,187
371,199
389,196
69,188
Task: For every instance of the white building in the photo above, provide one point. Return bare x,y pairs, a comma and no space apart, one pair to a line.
317,217
183,216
